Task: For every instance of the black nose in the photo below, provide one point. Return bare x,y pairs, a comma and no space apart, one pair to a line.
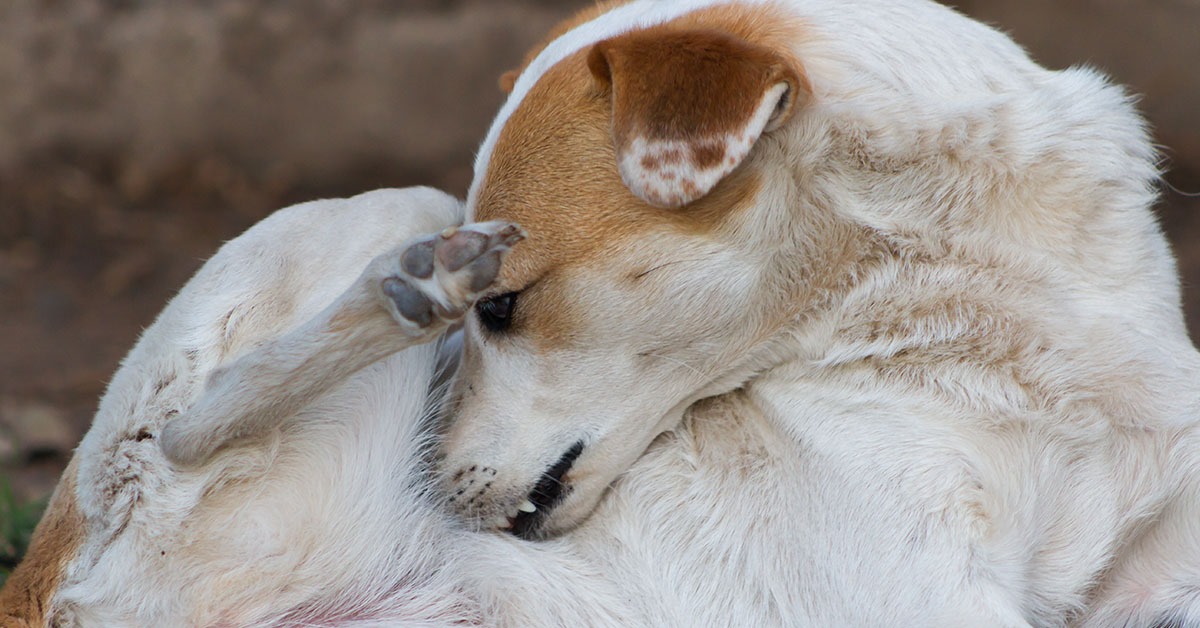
546,494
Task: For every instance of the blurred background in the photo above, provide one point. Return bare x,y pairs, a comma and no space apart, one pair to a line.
136,136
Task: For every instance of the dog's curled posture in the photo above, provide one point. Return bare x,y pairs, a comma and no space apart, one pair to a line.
260,458
828,314
884,298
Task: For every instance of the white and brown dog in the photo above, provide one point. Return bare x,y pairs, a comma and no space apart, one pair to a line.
828,313
915,276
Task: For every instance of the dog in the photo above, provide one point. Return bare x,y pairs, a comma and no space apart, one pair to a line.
825,314
913,280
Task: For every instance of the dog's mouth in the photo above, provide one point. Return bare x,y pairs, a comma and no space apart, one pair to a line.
549,491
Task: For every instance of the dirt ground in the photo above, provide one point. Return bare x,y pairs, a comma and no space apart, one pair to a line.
112,194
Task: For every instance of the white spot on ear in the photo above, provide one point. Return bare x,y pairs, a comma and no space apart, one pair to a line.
674,172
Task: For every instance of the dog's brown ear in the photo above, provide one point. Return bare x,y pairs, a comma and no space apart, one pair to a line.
687,106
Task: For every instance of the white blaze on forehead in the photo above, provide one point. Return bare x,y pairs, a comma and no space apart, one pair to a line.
632,16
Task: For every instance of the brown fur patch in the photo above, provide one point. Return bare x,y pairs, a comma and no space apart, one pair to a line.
25,598
707,155
554,171
673,83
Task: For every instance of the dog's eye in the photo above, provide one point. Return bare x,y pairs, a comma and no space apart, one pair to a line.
496,312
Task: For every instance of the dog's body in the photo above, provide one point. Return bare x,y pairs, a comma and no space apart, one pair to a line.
902,336
917,271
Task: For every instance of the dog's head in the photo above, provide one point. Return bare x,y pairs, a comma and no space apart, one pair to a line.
648,172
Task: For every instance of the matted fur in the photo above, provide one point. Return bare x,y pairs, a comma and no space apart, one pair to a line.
918,360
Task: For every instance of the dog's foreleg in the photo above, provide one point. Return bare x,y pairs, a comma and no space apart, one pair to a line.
406,297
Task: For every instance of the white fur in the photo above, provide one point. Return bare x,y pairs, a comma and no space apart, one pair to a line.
824,481
988,417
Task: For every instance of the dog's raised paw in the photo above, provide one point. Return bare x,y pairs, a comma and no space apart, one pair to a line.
440,276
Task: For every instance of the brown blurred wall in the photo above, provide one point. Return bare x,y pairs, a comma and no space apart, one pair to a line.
137,135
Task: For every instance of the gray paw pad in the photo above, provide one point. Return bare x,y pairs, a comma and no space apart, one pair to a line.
460,247
410,302
483,271
417,260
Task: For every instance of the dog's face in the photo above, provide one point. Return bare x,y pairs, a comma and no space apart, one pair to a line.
644,171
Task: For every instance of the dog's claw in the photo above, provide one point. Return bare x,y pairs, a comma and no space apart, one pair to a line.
440,276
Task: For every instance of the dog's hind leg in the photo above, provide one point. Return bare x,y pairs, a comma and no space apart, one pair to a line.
407,296
253,323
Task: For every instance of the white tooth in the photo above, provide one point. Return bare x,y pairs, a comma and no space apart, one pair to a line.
526,506
504,523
